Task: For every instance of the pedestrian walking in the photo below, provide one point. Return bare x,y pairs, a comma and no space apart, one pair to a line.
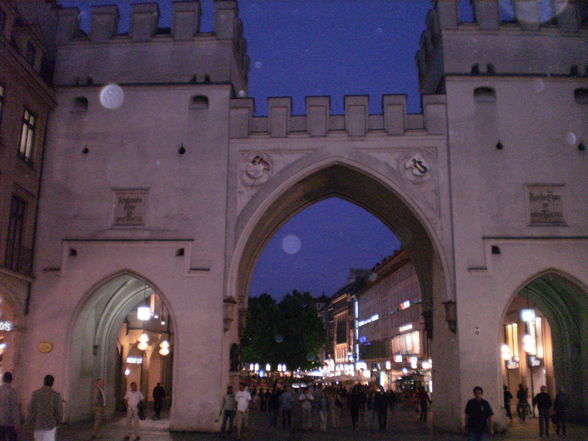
543,402
523,403
381,404
243,399
507,400
478,417
324,408
306,399
371,396
228,410
99,400
273,406
337,408
286,407
133,399
561,405
9,413
158,399
356,400
392,401
46,411
424,400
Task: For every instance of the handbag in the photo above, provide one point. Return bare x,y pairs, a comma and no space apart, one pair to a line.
141,410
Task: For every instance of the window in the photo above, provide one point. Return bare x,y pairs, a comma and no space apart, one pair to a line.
27,135
80,104
17,258
409,343
2,21
30,54
199,102
1,101
581,96
484,95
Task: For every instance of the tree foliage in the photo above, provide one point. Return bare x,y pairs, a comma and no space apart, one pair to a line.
289,332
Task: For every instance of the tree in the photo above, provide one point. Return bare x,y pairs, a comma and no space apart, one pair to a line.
289,332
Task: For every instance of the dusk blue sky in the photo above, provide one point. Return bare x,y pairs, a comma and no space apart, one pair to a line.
335,48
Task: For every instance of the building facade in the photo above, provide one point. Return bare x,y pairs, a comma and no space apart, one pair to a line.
26,99
393,340
158,177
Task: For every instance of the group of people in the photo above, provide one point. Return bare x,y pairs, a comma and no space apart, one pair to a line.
44,415
547,409
45,411
327,402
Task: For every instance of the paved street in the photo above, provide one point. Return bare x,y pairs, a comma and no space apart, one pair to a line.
404,427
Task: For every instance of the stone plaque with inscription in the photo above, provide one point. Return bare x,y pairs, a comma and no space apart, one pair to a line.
545,202
129,207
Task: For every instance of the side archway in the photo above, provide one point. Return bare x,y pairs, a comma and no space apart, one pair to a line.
548,316
98,333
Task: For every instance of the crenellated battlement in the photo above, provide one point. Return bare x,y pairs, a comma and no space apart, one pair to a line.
520,37
137,56
318,120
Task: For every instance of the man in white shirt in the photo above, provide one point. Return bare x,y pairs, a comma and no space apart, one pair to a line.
132,400
306,398
243,398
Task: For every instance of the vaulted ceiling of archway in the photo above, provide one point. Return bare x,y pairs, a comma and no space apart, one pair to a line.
356,187
562,301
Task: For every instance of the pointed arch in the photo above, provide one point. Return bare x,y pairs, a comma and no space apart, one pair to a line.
93,332
563,300
360,179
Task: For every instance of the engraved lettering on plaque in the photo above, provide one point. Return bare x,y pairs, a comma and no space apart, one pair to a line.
129,207
545,204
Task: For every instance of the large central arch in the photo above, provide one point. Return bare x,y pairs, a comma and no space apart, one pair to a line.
382,196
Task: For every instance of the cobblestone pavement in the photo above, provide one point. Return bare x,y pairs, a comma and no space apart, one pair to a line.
404,427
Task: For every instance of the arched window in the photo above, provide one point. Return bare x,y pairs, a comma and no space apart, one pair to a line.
484,95
80,104
581,96
199,102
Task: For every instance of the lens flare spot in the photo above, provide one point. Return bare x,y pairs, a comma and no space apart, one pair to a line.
538,85
291,244
571,138
112,96
279,338
258,64
310,357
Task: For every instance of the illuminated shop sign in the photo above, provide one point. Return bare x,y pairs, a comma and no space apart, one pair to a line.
373,318
6,325
406,327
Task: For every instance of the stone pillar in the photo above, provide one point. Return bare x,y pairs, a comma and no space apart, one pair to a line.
569,19
435,113
278,116
104,22
241,114
68,24
144,21
225,18
487,14
186,20
394,107
447,11
317,115
356,115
